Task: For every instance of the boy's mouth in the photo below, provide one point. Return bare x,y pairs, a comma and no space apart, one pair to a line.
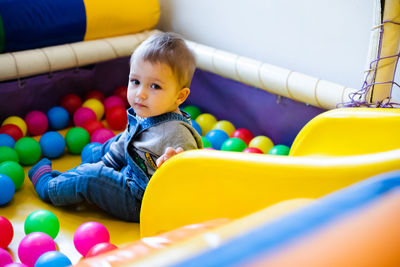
139,105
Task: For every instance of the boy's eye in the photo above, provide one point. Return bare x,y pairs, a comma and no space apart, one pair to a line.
155,86
135,82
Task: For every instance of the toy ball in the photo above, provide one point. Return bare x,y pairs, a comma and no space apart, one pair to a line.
33,245
217,137
206,122
95,94
16,264
12,130
116,117
42,221
113,101
96,106
89,234
28,150
279,150
87,152
18,122
6,232
83,115
226,126
100,249
53,259
234,144
243,134
206,143
71,102
58,118
193,111
36,122
261,142
101,135
13,170
76,139
52,144
6,140
196,126
7,189
253,150
92,126
122,92
5,257
8,153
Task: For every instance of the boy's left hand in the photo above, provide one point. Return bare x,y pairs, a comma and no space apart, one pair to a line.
169,152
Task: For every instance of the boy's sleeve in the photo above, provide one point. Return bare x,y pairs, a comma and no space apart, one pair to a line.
114,152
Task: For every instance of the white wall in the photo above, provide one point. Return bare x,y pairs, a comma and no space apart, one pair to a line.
322,38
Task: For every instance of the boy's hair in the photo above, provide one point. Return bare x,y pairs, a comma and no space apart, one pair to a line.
171,49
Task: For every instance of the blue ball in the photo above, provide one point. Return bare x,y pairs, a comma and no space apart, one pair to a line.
6,140
196,126
217,137
52,144
7,189
86,154
52,259
58,118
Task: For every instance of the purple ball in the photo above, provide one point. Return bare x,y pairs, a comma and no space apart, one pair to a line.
89,234
101,135
32,246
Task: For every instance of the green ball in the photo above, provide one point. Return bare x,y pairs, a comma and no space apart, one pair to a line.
13,170
234,144
279,150
7,153
206,143
76,139
42,221
193,111
28,150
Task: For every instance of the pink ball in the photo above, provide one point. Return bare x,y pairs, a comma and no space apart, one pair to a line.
101,135
253,150
89,234
16,264
82,115
5,257
37,122
100,249
113,101
33,245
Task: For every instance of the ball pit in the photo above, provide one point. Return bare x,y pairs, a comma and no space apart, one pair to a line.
7,189
13,170
116,117
101,135
71,102
226,126
12,130
261,142
89,234
18,122
36,122
58,118
96,106
206,122
33,245
6,232
234,144
43,221
8,154
217,137
6,140
76,139
28,150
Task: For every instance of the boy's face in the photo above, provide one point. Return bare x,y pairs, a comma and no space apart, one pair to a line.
153,89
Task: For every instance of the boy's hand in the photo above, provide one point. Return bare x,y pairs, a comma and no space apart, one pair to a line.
169,152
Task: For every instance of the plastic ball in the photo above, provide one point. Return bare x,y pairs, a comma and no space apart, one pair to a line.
92,126
12,130
52,144
261,142
226,126
5,257
279,150
6,232
122,92
16,264
33,245
243,134
13,170
206,122
101,136
42,221
96,106
8,154
113,101
83,115
217,137
116,117
89,234
71,102
196,126
100,249
95,94
76,139
87,151
253,150
18,122
206,143
58,118
28,150
6,140
7,189
53,259
234,144
36,122
193,111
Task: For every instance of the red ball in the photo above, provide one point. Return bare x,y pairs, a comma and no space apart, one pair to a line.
96,94
71,102
101,135
116,118
100,249
6,232
12,130
122,92
37,122
113,101
243,134
253,150
92,126
82,115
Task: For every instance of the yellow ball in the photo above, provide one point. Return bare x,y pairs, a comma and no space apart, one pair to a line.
262,142
206,122
225,126
96,106
16,121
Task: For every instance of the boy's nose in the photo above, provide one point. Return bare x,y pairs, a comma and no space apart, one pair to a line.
141,93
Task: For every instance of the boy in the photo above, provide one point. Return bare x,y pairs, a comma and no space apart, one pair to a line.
116,174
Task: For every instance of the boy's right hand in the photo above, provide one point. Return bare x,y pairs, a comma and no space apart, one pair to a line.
169,152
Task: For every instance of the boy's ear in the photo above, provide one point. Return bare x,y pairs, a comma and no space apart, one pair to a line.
182,95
